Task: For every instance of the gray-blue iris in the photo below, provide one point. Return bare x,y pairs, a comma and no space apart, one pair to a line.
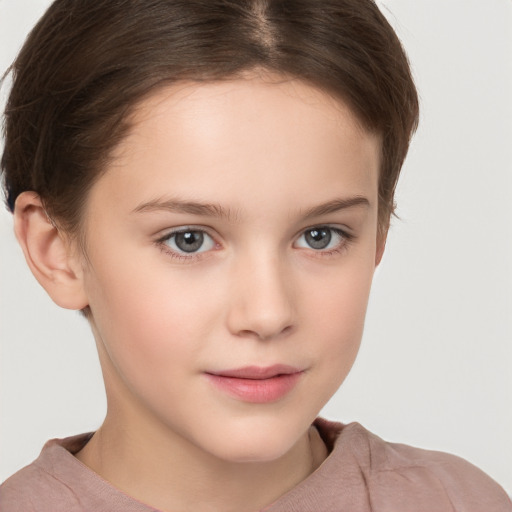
318,238
189,241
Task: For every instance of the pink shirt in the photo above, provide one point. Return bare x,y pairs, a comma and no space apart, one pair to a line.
362,473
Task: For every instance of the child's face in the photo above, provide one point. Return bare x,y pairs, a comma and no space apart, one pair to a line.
272,188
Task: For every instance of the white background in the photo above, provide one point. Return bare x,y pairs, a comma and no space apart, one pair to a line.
435,369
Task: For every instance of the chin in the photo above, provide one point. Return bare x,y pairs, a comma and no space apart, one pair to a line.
257,440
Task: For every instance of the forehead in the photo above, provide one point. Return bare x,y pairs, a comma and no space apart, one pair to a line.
250,138
256,98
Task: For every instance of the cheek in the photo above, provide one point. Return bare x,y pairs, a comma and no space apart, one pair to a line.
148,317
338,312
340,296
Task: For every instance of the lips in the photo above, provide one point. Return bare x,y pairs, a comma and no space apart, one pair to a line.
256,384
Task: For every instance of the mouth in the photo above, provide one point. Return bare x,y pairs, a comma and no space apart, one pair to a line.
256,384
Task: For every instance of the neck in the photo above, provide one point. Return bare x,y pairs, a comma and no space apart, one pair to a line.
167,472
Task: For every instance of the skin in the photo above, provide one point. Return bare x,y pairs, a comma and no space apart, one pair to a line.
266,151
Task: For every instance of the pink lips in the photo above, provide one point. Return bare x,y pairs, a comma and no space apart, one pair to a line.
257,384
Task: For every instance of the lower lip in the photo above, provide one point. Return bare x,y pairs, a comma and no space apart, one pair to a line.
256,390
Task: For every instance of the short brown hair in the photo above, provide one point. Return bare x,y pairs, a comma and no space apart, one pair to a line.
86,65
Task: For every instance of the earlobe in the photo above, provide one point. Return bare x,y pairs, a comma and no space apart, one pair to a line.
48,253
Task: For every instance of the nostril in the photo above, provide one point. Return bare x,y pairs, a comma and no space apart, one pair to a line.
265,335
266,309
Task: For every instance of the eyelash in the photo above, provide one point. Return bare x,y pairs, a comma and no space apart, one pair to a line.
161,243
347,239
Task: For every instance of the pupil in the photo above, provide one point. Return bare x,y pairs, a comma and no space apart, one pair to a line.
190,241
318,238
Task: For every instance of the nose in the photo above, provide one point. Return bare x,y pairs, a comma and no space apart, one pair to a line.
262,300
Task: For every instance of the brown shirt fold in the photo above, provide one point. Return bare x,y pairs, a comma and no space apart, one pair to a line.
363,473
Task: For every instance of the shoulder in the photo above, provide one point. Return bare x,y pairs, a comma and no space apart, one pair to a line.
42,485
22,491
32,489
417,479
58,482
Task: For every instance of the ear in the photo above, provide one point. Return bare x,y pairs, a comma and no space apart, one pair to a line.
49,254
381,246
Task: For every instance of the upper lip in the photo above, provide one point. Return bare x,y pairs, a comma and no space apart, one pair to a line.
257,372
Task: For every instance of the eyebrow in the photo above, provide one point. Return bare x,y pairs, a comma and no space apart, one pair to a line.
190,207
336,205
216,210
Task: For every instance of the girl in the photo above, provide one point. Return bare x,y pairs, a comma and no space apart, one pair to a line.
211,183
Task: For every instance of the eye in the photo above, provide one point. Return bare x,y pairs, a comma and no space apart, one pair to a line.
322,238
188,241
